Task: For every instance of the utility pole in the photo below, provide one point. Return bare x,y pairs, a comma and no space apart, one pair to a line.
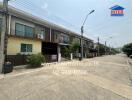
4,35
110,49
105,48
108,46
98,47
81,43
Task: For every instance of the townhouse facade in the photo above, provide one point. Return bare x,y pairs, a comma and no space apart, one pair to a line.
28,34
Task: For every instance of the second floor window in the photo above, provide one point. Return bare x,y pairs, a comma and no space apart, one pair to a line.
29,31
19,29
23,30
64,39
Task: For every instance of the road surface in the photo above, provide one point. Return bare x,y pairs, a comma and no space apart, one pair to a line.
101,78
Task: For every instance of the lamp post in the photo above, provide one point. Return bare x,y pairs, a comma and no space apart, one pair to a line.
98,46
109,49
82,31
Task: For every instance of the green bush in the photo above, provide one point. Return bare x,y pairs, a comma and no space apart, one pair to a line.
74,47
127,49
35,60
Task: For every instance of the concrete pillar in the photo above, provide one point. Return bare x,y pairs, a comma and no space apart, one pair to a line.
96,54
2,56
71,56
85,55
9,25
50,35
59,53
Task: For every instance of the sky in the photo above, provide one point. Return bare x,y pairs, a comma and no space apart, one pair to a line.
71,14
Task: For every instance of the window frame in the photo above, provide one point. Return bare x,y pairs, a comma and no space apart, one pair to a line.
16,29
27,50
64,38
25,32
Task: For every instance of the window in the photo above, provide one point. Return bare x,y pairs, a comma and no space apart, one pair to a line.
20,29
26,47
64,38
23,30
42,32
29,31
56,36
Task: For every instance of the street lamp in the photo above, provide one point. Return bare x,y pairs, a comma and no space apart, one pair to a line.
82,31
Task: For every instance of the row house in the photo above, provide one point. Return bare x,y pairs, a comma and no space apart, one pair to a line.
28,34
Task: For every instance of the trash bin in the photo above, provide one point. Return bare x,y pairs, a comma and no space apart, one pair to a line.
80,59
8,67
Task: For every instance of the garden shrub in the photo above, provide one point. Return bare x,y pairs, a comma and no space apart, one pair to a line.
35,60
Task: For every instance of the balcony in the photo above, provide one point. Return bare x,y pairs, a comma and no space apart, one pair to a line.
27,35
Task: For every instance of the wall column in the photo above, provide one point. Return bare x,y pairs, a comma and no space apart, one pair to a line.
59,53
2,44
71,56
50,35
9,25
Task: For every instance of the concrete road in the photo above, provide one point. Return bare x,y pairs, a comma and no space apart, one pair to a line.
101,78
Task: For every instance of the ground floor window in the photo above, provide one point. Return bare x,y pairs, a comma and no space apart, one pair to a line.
26,47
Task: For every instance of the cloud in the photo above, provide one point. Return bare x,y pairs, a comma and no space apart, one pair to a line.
44,6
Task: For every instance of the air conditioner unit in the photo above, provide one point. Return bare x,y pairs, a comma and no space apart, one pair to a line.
40,36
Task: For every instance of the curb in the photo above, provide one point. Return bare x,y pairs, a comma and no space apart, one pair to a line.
10,75
130,70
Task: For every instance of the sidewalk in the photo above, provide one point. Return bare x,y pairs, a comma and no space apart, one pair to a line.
22,70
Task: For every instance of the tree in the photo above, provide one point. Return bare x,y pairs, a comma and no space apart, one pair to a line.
127,49
72,48
114,51
101,49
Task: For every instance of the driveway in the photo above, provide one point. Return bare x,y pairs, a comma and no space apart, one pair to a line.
101,78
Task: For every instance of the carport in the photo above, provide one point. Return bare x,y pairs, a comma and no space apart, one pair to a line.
49,50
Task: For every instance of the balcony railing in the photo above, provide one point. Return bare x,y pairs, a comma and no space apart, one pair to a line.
27,35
